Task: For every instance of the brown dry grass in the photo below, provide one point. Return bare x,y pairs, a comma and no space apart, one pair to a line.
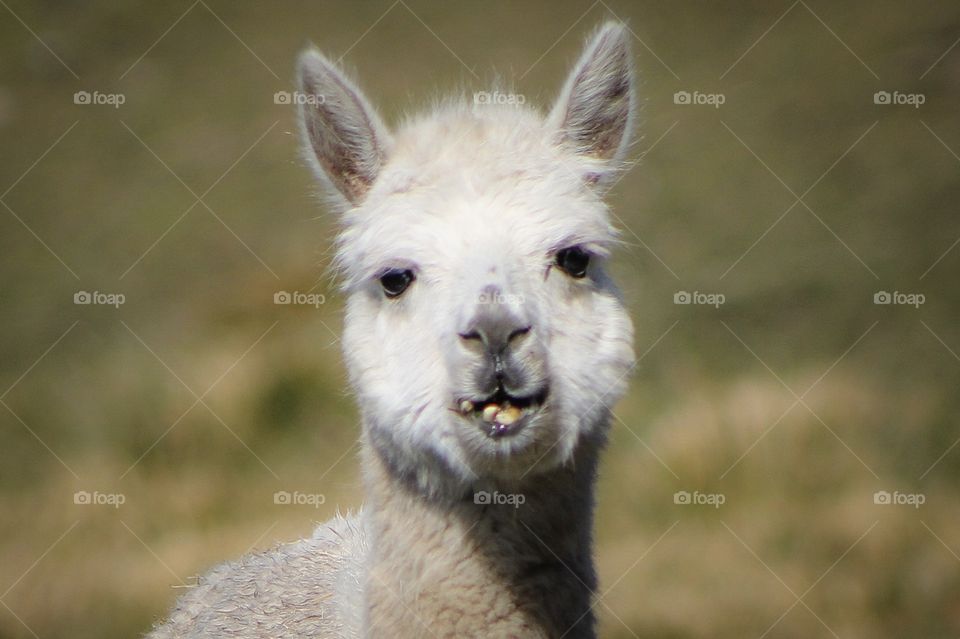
795,504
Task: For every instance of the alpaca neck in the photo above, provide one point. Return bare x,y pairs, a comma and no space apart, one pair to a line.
464,569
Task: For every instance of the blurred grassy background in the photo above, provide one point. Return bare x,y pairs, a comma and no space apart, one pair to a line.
797,399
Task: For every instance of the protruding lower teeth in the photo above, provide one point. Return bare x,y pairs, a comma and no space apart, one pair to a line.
466,407
490,412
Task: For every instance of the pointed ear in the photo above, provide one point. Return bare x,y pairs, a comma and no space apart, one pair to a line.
594,113
346,140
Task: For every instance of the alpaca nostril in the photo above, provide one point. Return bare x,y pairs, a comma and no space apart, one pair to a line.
520,332
493,329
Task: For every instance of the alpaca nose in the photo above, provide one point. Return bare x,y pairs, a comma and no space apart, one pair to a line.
494,325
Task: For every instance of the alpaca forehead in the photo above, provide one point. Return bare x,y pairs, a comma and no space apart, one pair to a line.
459,233
517,208
466,183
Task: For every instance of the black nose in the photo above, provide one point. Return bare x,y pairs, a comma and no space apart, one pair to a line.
494,325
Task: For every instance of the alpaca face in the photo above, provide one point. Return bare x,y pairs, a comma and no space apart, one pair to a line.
483,336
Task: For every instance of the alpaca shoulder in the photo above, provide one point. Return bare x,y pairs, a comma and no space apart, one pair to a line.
308,588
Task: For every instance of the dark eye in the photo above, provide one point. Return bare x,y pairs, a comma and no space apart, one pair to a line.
396,281
573,261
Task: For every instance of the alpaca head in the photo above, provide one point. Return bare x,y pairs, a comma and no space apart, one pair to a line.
483,336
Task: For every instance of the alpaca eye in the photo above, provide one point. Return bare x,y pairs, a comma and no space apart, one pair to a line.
396,281
573,261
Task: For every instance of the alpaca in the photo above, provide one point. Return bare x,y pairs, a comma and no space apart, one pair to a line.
486,345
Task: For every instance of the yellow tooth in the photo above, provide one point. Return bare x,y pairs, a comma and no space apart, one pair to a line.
490,412
508,415
466,406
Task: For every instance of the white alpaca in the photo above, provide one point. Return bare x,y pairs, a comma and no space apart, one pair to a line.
487,347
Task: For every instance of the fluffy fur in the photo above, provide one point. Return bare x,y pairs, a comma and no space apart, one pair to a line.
475,200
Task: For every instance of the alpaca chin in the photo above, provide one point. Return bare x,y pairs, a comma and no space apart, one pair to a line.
546,442
450,465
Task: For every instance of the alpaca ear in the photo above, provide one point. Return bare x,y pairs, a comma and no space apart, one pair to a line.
594,113
347,140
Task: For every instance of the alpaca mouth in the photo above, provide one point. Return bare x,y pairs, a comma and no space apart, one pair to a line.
503,414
